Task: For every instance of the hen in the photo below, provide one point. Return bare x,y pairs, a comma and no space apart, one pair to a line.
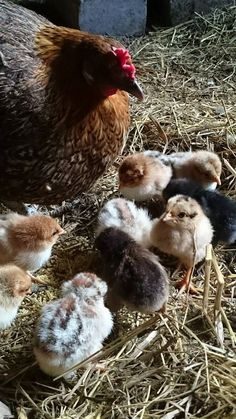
63,104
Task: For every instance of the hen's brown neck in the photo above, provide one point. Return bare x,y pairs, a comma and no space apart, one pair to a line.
61,52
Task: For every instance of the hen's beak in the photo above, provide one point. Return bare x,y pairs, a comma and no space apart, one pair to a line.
62,232
135,90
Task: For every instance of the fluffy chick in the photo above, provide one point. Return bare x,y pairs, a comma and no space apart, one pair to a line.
201,166
126,216
73,327
14,285
141,177
183,231
220,209
134,275
27,241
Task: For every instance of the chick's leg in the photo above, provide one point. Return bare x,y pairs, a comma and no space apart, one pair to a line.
185,283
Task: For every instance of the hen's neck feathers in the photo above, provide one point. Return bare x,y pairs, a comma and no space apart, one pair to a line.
62,53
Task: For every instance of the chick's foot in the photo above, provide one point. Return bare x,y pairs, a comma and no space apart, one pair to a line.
185,284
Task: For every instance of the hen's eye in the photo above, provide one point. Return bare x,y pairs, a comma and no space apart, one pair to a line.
181,215
55,232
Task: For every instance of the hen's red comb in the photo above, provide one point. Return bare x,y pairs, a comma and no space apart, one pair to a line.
125,61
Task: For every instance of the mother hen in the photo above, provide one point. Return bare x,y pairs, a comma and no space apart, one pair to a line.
64,111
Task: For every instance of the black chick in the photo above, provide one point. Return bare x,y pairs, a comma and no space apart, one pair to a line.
220,209
134,275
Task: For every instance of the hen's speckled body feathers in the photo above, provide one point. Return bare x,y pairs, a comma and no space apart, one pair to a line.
58,132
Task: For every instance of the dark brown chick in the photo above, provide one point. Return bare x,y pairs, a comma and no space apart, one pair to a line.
64,107
134,275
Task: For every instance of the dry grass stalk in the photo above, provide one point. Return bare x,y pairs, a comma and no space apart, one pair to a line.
208,263
218,299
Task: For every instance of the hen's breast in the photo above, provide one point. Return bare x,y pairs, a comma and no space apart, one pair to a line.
44,161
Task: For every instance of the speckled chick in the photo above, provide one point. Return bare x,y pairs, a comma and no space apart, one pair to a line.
183,231
201,166
220,209
73,327
126,216
142,177
14,285
27,241
134,275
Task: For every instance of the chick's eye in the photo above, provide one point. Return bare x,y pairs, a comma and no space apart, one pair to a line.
55,232
181,215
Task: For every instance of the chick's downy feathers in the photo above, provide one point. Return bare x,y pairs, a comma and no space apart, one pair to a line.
183,230
126,216
220,209
141,176
73,327
134,275
14,285
27,241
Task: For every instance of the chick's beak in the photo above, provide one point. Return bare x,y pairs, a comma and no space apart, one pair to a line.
135,90
62,232
167,217
217,179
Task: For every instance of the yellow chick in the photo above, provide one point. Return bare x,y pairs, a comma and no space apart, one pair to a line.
183,231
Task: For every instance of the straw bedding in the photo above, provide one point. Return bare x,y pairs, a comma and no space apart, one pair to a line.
179,365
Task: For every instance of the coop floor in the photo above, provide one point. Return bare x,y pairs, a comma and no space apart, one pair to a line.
178,365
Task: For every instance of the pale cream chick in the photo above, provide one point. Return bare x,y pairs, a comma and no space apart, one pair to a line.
202,166
14,285
183,231
27,241
141,177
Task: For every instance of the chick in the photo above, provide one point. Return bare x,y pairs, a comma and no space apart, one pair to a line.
73,327
126,216
27,241
220,209
141,177
14,285
134,275
201,166
183,231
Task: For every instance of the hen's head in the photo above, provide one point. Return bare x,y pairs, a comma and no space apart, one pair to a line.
102,64
109,68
